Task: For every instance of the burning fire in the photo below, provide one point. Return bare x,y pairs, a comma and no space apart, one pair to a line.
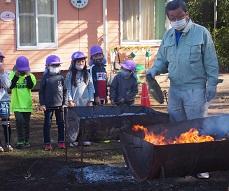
191,136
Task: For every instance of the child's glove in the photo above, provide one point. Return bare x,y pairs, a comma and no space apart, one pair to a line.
210,92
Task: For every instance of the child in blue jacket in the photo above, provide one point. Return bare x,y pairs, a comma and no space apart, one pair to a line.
80,91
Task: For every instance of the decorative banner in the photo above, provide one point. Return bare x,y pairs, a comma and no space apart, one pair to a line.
148,54
132,55
7,16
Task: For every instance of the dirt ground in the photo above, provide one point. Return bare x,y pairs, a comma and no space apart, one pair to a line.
33,169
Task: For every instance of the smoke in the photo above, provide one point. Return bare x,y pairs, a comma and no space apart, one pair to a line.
216,125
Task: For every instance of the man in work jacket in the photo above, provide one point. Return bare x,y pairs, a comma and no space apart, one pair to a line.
187,53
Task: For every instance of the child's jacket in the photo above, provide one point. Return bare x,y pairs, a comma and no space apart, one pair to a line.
99,76
4,86
53,92
83,92
21,96
122,88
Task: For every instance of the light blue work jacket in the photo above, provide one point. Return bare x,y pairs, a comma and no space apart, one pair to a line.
192,63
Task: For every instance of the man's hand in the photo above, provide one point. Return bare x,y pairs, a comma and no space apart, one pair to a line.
210,92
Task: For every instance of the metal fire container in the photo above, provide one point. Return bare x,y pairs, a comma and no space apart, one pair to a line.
148,161
105,122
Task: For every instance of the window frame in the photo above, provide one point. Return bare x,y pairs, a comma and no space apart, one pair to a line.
38,46
155,42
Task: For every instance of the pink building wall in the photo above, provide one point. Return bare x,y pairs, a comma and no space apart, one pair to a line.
73,33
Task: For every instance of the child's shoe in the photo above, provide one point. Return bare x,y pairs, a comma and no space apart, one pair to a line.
47,147
9,147
87,143
1,149
20,145
61,145
203,175
73,144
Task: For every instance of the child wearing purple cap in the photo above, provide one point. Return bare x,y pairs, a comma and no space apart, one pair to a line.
52,98
79,83
4,104
124,86
99,74
22,81
80,89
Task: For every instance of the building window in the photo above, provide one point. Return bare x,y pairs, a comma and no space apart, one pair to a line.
142,20
36,24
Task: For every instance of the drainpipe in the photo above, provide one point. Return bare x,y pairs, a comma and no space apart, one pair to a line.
105,38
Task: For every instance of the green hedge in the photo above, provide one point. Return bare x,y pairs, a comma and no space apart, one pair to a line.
222,47
202,12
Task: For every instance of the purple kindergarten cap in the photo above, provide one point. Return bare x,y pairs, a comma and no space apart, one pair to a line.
22,64
78,55
95,49
53,60
129,65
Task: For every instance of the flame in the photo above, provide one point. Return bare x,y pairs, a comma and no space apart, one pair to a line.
191,136
151,137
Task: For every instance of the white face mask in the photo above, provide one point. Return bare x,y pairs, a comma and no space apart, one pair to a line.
79,67
179,25
54,70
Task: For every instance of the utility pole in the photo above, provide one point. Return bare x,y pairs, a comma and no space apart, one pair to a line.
215,13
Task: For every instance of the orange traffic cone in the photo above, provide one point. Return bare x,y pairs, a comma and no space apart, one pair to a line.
145,96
